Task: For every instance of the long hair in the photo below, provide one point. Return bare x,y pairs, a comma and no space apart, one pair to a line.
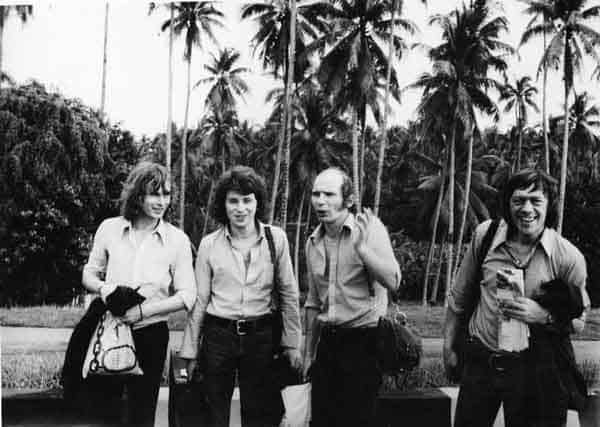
524,179
145,178
244,180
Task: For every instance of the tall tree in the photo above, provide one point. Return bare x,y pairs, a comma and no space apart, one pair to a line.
355,61
542,11
574,38
519,97
169,133
272,43
585,125
396,9
103,90
194,19
23,12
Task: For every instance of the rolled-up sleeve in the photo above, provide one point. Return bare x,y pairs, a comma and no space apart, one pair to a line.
312,297
289,294
195,318
462,289
575,272
184,281
379,241
98,258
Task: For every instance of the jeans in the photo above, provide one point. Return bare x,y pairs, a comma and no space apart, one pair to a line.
224,353
345,378
488,380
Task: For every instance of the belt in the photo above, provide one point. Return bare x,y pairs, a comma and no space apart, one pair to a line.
499,361
332,330
241,326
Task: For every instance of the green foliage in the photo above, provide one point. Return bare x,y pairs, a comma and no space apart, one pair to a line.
58,181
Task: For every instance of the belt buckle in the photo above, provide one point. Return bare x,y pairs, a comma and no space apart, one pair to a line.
239,324
494,358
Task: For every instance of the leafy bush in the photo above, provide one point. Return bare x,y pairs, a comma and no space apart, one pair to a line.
59,179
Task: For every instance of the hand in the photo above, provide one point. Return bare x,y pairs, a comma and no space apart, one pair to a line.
106,289
306,365
191,367
450,362
523,309
131,316
294,357
362,221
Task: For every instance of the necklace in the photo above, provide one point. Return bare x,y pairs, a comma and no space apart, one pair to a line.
520,258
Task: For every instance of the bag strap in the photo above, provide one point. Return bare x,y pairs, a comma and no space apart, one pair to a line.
482,251
271,244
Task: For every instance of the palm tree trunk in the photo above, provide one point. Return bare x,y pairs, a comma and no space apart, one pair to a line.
208,208
450,211
223,163
438,274
170,94
184,148
297,240
544,119
1,42
436,221
383,126
355,175
463,221
563,162
103,93
518,162
288,107
361,165
277,172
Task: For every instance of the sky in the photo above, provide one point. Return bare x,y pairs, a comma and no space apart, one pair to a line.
61,47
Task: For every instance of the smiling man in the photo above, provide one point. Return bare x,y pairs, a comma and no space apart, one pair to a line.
351,266
232,317
526,246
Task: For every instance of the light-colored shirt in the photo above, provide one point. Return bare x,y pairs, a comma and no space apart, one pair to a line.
338,280
554,257
161,260
230,290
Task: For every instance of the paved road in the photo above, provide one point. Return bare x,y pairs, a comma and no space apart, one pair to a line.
15,339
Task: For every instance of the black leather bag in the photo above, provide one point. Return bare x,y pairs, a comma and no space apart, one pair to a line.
399,349
187,400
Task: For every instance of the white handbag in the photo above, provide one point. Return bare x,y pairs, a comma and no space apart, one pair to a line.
296,399
111,350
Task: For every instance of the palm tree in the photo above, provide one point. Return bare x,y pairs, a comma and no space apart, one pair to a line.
519,97
585,125
396,8
23,12
542,10
458,85
103,90
355,63
573,37
273,43
195,19
226,80
170,85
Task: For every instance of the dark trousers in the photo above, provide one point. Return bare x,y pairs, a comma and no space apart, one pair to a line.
490,379
345,378
224,353
151,344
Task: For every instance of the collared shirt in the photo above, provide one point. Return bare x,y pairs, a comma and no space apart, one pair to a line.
554,257
162,259
338,280
227,289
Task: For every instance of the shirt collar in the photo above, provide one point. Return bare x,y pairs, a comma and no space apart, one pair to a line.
160,229
319,232
547,242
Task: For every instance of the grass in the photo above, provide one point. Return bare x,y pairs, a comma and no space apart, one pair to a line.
428,322
32,370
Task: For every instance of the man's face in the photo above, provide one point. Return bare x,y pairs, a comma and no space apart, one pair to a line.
528,209
327,199
155,203
240,209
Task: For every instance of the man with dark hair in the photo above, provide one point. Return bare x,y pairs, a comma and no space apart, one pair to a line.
232,314
525,253
351,266
141,253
